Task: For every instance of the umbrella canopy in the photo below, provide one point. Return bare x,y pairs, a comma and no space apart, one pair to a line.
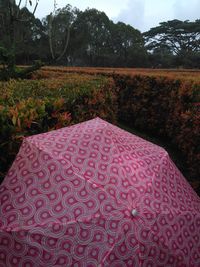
95,195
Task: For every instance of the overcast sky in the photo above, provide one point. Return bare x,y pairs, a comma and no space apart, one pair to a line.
141,14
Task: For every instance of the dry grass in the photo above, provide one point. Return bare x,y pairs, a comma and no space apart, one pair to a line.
178,74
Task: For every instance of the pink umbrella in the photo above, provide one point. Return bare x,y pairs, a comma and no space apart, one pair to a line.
95,195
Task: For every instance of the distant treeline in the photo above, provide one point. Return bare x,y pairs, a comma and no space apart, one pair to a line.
72,37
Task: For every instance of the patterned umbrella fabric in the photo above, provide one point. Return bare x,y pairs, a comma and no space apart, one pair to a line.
95,195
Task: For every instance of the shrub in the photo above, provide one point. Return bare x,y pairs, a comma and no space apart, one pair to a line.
164,107
29,107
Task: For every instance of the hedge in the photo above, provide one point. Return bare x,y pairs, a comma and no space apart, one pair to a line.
30,107
164,107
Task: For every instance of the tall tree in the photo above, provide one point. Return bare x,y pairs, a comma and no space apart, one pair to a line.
181,38
59,24
13,14
97,41
90,37
128,45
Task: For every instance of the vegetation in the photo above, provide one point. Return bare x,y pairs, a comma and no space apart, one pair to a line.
179,74
72,37
33,106
175,42
13,19
166,107
162,103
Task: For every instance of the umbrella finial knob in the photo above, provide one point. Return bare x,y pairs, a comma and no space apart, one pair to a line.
134,212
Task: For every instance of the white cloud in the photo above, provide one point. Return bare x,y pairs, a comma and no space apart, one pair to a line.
185,9
145,14
133,14
111,7
141,14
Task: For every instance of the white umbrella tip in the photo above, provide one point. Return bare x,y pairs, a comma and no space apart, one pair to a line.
134,212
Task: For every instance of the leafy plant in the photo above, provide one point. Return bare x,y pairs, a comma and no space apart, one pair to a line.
34,106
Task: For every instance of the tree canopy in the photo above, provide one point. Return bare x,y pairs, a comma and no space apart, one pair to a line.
175,38
72,37
19,32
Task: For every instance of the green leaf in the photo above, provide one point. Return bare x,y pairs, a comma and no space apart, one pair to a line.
14,120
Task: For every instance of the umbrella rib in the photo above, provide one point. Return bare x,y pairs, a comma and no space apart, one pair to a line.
71,165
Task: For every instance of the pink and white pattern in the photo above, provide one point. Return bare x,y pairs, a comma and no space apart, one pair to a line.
95,195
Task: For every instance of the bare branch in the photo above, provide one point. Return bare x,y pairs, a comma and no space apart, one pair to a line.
66,45
50,36
11,9
19,4
18,8
36,5
2,19
55,6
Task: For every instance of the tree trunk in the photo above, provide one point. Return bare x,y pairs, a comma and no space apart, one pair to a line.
11,63
66,45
